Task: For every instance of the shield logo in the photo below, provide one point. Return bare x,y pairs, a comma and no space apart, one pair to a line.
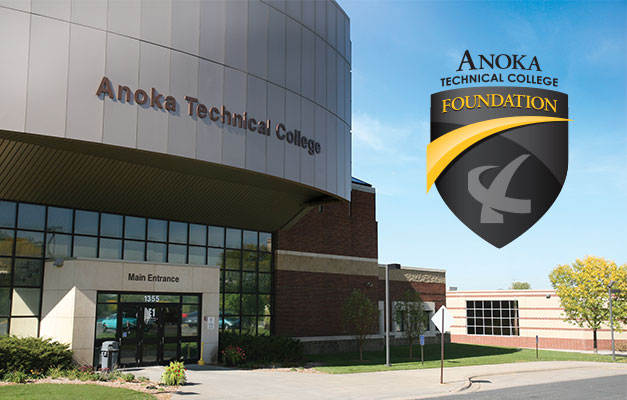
498,156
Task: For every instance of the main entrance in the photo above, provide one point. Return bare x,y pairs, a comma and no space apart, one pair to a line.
149,328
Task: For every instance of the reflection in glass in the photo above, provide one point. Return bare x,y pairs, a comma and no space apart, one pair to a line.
107,298
134,250
106,321
264,305
4,326
197,255
29,244
189,320
216,236
111,249
249,304
198,234
135,228
189,350
215,257
265,241
249,282
232,282
231,304
249,325
28,272
5,271
127,353
58,245
7,214
233,259
265,260
156,252
263,325
4,300
31,216
177,254
157,230
249,262
150,353
6,242
59,220
170,351
233,238
170,319
178,232
86,222
85,246
265,283
111,225
250,240
190,299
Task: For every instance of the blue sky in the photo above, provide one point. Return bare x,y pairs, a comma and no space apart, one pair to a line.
400,51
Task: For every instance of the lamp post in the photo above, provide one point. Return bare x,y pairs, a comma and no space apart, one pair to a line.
387,310
609,294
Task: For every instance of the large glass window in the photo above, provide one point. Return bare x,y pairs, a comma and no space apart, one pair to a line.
492,317
31,233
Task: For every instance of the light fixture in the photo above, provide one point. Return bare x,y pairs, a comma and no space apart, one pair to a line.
58,262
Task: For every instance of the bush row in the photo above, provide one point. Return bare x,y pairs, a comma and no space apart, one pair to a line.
31,355
264,350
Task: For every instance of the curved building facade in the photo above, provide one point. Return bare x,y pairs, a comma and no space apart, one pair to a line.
149,153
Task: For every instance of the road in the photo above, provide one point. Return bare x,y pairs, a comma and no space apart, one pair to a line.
606,388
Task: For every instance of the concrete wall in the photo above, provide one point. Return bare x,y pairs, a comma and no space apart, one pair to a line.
69,298
538,315
284,61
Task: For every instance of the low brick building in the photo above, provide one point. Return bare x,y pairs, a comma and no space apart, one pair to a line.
323,257
513,318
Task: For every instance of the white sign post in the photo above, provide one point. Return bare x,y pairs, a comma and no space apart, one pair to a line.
443,321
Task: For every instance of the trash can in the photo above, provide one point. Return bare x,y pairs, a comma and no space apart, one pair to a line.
109,355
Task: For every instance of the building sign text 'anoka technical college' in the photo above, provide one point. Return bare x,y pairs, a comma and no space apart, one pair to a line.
196,109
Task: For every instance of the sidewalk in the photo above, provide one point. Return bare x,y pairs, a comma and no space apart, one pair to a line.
211,382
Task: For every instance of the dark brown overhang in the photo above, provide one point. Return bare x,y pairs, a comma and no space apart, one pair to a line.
93,176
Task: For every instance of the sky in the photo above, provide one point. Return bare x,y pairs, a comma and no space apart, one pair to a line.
401,49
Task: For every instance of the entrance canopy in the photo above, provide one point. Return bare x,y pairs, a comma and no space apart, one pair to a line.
94,176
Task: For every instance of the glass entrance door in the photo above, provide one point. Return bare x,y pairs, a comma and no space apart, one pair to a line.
150,328
148,333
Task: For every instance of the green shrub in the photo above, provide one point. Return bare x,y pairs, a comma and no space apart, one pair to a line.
55,372
264,350
128,377
32,354
16,377
174,374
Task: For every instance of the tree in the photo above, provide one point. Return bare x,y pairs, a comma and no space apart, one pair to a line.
411,314
583,291
360,316
520,285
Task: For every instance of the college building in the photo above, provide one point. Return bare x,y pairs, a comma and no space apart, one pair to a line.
514,318
171,170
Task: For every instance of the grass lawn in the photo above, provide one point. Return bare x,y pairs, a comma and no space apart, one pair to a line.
50,391
455,355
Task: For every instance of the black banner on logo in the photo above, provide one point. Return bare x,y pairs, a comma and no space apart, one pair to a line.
498,156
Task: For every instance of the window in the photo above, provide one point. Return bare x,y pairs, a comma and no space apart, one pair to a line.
492,317
31,233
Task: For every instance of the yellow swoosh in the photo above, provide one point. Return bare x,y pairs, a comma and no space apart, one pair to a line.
443,150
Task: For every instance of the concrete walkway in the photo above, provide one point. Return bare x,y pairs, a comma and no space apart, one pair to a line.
213,382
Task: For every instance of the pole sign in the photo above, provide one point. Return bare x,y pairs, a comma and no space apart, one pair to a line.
442,320
422,340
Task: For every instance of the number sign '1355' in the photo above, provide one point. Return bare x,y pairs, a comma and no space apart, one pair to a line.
151,298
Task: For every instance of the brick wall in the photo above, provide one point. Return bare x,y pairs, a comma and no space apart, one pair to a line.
340,229
530,342
310,303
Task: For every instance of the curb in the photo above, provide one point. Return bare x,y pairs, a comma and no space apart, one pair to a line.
469,386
